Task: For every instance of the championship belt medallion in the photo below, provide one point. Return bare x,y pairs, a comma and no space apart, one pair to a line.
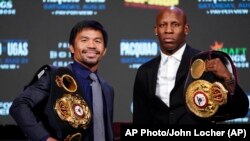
200,100
197,68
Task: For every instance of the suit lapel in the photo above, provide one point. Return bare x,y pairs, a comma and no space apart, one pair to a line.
104,92
152,76
108,107
185,62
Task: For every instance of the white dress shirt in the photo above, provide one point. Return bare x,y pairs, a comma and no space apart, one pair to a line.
167,74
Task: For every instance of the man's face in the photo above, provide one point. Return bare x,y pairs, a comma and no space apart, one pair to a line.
171,29
88,47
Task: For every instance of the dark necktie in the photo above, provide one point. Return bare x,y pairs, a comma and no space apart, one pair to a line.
98,122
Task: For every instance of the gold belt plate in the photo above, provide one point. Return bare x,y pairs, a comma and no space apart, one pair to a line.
200,100
73,109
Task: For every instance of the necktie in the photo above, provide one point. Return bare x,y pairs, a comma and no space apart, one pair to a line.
98,122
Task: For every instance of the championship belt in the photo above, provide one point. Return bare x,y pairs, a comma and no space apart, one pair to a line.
72,112
201,86
71,107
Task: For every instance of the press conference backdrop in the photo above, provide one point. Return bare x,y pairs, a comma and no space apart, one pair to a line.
36,32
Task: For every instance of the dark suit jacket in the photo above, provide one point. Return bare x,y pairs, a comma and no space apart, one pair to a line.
36,94
149,109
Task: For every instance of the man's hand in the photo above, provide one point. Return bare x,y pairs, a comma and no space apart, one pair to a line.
220,70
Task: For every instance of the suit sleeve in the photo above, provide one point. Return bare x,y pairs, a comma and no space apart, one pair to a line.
23,108
238,103
140,102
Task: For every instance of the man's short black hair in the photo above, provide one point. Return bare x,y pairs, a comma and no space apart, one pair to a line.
92,24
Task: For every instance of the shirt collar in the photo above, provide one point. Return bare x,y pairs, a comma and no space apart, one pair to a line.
177,55
80,69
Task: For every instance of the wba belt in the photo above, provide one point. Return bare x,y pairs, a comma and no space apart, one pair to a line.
202,85
71,111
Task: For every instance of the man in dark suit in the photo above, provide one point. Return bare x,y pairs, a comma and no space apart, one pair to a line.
158,96
58,104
